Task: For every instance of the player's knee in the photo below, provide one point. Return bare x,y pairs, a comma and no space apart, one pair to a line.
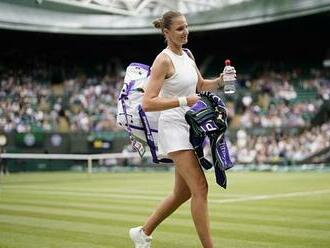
182,195
201,189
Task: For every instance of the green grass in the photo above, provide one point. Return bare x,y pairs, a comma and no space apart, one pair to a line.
268,210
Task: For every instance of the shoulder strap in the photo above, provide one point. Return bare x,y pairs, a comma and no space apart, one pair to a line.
189,53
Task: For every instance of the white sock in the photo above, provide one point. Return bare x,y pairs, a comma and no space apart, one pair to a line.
145,235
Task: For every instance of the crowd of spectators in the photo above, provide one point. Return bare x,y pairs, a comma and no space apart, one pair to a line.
279,147
282,99
81,103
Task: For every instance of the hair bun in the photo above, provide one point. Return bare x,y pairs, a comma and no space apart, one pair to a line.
158,23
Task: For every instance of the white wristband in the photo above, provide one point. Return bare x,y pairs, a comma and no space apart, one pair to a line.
183,101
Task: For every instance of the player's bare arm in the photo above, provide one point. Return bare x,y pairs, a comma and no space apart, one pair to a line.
160,70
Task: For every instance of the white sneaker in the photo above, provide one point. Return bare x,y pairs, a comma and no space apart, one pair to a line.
140,239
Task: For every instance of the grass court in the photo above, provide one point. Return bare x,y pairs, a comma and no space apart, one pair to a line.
77,210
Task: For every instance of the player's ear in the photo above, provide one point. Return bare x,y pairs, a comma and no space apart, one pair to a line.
166,31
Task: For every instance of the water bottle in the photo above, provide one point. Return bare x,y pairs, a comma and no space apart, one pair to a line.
229,78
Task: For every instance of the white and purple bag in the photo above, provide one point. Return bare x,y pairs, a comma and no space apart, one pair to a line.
141,126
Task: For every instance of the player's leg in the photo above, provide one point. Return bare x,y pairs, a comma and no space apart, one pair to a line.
180,194
141,236
188,167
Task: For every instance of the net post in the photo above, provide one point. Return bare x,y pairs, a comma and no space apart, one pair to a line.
89,164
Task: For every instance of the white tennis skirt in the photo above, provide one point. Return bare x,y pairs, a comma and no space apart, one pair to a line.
173,135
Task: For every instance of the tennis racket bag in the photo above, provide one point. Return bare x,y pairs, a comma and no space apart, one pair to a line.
141,126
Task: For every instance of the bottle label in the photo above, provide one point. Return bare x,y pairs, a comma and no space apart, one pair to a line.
229,78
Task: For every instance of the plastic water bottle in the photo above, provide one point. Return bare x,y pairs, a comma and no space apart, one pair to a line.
229,78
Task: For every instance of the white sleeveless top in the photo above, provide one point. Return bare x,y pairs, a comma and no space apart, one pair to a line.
173,130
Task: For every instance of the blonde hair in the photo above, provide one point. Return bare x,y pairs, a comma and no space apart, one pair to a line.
166,20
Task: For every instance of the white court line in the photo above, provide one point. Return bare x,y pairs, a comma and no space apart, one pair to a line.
275,196
139,197
115,191
91,194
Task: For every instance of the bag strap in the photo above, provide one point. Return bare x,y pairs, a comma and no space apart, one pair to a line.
150,138
189,53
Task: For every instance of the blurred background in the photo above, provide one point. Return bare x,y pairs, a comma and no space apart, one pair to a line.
62,64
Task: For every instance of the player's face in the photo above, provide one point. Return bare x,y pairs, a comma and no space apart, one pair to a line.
178,32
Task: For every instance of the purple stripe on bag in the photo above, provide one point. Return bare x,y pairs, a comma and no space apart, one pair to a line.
143,66
126,89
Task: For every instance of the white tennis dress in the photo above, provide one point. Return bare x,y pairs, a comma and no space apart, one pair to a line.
173,130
